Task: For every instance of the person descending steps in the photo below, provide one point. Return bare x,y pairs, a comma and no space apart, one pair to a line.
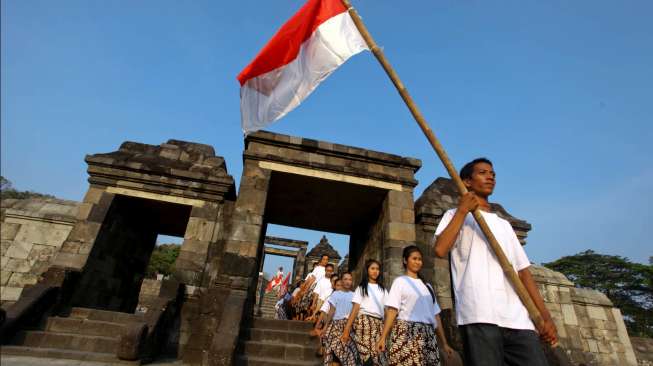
412,313
340,304
366,318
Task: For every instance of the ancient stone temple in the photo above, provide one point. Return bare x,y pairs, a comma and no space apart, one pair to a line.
73,273
322,248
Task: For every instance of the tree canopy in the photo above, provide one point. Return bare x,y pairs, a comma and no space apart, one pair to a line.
162,260
627,284
7,191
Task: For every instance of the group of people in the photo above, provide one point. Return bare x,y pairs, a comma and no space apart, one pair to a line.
373,325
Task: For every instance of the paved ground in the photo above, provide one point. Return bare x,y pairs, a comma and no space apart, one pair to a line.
9,360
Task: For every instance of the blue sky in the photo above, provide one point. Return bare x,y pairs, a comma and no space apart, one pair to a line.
559,94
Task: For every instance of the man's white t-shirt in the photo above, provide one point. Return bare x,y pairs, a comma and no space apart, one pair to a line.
483,293
413,300
372,304
317,272
323,288
341,300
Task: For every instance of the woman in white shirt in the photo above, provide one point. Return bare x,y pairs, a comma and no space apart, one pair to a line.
412,303
367,315
335,350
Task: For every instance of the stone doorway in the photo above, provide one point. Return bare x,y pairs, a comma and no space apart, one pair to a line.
117,264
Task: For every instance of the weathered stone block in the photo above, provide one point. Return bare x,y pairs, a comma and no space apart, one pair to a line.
41,252
10,293
400,199
19,250
8,230
246,232
70,260
593,346
568,314
93,195
85,232
400,231
22,279
196,246
199,229
18,265
4,277
596,312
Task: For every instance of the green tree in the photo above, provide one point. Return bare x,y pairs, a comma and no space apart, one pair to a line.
7,191
629,285
163,259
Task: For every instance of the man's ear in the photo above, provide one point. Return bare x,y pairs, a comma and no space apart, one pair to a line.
467,183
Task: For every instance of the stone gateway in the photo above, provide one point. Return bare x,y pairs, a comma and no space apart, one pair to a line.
73,273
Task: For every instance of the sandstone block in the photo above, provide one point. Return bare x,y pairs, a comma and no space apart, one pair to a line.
41,252
246,232
400,199
84,210
70,260
84,232
400,231
10,293
93,195
18,265
199,229
19,250
8,230
4,277
596,312
22,280
54,235
593,346
568,314
195,246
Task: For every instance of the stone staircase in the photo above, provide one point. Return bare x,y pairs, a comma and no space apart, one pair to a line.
267,306
277,342
87,334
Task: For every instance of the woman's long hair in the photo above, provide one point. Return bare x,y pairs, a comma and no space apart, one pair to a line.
366,280
406,254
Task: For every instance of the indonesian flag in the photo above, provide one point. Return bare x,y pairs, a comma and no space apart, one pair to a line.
284,285
320,37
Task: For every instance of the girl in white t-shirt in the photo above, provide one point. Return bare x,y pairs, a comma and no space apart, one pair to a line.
366,316
335,350
412,303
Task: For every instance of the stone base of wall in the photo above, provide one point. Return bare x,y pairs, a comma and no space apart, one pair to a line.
643,348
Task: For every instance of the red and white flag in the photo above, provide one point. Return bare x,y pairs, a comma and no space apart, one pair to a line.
320,37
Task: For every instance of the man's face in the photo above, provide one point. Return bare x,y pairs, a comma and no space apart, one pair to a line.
482,181
324,260
346,282
328,271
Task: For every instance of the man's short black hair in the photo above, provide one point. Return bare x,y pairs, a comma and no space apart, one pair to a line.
330,265
467,171
324,255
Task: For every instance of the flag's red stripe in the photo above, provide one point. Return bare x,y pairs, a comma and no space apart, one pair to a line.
284,46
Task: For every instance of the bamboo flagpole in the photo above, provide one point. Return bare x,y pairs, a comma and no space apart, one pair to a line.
507,267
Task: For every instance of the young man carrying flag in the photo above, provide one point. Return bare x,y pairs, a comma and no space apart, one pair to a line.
495,325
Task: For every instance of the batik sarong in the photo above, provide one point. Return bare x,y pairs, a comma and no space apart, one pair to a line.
367,331
334,349
413,344
305,302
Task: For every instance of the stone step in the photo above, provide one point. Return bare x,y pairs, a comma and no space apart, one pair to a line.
105,315
84,327
291,325
63,354
279,336
263,361
67,341
278,351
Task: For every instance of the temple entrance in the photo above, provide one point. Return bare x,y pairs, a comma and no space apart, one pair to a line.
118,261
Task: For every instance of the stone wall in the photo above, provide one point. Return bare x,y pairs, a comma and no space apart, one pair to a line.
643,348
590,329
33,231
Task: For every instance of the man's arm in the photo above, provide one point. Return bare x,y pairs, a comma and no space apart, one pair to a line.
447,238
547,329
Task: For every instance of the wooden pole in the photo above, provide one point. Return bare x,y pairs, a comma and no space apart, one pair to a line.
508,270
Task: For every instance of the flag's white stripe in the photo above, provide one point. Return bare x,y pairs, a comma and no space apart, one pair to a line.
268,97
